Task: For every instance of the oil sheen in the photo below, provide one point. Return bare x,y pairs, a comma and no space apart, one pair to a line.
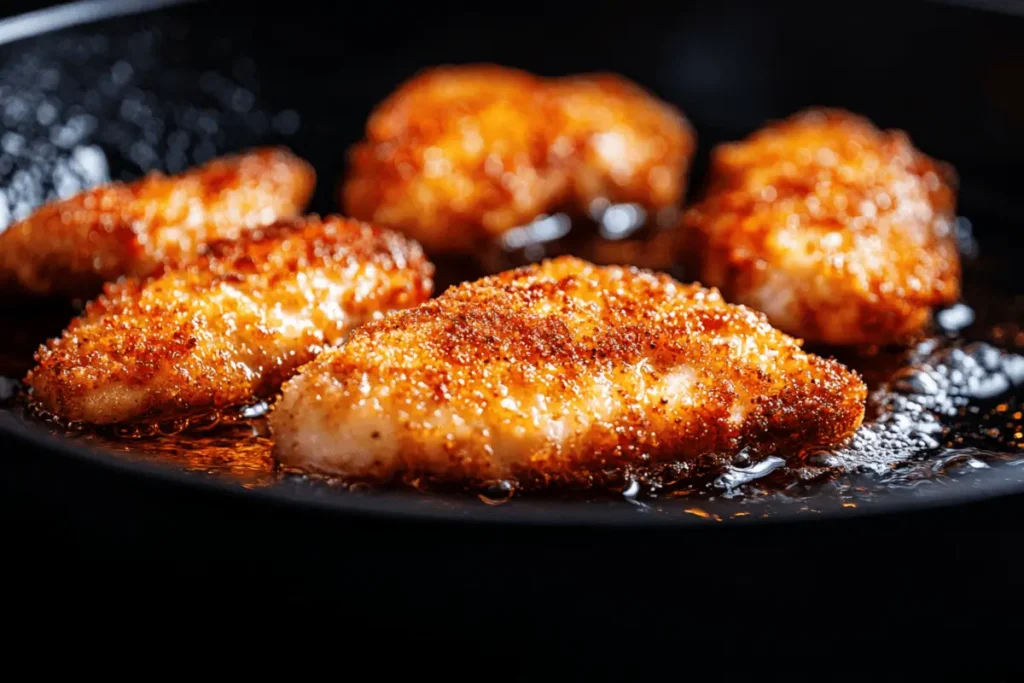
949,407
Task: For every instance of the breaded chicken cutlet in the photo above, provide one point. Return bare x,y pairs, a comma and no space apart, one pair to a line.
842,233
71,247
557,371
227,328
461,154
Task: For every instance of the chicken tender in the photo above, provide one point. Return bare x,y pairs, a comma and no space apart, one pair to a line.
228,328
456,155
461,154
842,233
557,372
71,247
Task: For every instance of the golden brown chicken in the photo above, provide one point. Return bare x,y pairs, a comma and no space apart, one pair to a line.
71,247
558,372
227,328
455,155
840,232
461,154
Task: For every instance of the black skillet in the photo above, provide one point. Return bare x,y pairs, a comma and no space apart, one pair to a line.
115,88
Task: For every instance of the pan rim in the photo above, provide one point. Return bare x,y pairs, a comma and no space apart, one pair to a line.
409,507
66,15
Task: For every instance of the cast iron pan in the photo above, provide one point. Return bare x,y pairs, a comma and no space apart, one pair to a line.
98,90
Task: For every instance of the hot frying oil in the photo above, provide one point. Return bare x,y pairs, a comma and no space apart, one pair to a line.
947,407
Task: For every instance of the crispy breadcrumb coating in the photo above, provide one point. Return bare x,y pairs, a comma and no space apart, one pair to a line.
228,328
71,247
558,371
842,233
455,155
460,154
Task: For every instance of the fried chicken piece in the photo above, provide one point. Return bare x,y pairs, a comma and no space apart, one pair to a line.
842,233
455,155
71,247
461,154
555,372
228,328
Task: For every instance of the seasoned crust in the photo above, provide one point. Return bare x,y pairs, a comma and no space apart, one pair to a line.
557,372
71,247
454,155
459,154
228,327
841,232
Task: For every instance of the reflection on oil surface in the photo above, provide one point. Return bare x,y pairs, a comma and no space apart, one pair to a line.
949,407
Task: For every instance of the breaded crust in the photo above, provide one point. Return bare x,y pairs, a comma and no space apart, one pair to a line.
454,155
71,247
460,154
227,328
557,373
842,233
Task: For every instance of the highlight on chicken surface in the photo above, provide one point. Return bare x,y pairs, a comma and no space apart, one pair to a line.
624,146
460,155
227,328
71,247
842,233
557,372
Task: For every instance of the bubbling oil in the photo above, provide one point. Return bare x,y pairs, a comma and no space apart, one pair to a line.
239,450
941,410
947,407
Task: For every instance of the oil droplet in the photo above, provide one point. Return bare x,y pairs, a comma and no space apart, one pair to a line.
497,492
955,318
255,410
735,477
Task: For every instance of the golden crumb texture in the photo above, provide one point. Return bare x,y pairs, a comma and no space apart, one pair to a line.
841,232
227,328
557,371
71,247
460,154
